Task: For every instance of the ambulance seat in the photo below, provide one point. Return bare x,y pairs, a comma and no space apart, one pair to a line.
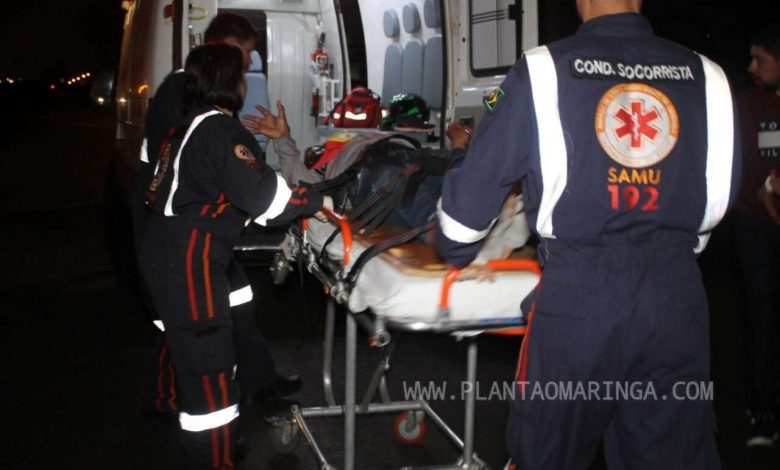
412,67
391,80
433,66
256,93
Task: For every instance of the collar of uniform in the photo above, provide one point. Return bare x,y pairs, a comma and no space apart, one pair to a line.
622,24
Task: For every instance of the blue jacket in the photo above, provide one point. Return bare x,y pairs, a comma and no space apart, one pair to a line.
615,134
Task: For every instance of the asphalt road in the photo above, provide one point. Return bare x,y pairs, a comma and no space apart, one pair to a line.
76,339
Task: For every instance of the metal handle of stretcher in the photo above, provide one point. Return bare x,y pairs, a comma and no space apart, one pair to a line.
346,232
496,265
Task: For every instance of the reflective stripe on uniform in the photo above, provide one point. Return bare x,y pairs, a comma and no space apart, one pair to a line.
175,184
278,204
212,420
356,117
720,147
552,147
144,151
241,296
159,324
456,231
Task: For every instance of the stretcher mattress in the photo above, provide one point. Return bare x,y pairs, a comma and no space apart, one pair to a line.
410,295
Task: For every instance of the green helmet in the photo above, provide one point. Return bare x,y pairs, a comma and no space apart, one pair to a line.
407,111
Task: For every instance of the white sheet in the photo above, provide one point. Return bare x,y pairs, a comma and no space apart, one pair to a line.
391,294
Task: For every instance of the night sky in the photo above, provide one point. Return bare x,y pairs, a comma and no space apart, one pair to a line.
60,37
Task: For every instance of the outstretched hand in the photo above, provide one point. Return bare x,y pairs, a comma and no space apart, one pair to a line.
268,124
459,134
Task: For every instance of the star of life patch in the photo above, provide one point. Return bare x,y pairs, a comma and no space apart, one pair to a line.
636,124
244,154
491,100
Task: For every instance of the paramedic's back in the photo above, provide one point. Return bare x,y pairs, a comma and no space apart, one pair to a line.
625,145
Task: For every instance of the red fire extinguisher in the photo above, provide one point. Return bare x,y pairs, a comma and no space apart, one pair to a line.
319,60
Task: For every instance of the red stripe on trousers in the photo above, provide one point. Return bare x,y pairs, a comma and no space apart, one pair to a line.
523,359
204,210
190,282
172,388
220,210
207,276
215,460
160,372
226,428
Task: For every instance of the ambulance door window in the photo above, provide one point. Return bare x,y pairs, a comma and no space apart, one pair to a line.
257,19
495,32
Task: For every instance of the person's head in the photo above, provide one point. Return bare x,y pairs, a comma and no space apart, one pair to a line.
765,57
590,9
214,77
235,30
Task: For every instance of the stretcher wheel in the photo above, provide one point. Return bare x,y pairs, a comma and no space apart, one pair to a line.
409,427
284,436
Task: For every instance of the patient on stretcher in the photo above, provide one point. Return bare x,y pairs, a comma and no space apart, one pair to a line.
382,174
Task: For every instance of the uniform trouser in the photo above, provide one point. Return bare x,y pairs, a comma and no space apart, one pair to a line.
616,334
186,271
256,368
758,248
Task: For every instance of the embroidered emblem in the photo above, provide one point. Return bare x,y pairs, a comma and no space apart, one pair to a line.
491,100
636,124
243,153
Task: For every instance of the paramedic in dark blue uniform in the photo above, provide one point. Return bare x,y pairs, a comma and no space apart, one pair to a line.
210,184
257,369
625,146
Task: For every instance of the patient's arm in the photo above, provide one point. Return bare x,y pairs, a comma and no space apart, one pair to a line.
277,128
293,169
510,232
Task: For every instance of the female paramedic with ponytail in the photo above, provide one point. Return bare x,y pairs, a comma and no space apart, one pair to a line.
208,185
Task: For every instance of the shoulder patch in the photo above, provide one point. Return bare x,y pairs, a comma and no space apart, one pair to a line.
492,99
243,153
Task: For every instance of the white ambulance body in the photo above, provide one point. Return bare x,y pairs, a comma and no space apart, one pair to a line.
450,52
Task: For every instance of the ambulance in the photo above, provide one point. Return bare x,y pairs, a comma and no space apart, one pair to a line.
452,53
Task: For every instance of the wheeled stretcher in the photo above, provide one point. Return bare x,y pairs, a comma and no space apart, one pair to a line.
390,282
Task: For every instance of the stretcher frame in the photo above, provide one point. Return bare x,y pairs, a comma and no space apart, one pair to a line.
332,274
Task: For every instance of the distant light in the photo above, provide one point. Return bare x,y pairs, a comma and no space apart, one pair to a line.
143,88
122,100
52,87
101,100
83,75
10,80
87,74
